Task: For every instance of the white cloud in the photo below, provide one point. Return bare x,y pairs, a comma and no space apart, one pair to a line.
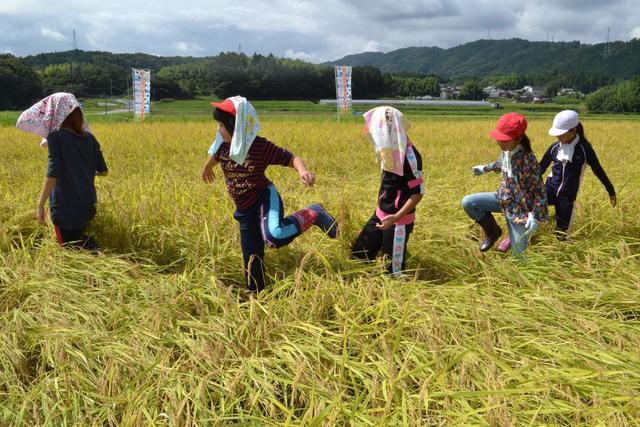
372,46
309,57
187,48
309,30
52,35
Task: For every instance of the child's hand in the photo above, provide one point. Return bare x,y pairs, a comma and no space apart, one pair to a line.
387,222
614,200
40,214
478,170
307,178
207,174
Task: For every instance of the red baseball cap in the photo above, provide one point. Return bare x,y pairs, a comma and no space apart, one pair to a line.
226,105
510,126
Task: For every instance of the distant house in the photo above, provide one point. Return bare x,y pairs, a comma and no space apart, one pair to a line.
534,91
534,94
496,92
449,91
568,91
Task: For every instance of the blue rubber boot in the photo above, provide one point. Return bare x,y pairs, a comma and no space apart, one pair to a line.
325,221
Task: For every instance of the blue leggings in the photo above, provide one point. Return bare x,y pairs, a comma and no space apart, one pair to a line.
264,223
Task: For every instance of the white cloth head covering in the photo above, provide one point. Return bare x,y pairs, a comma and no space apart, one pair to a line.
245,130
47,115
565,152
387,128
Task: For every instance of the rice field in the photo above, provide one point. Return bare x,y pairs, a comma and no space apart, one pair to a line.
156,329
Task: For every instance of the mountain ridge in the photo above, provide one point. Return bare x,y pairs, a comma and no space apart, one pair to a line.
485,57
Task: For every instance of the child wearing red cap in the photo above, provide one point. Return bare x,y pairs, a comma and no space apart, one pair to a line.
244,158
521,195
570,155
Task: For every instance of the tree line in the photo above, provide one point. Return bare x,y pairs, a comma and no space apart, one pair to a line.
95,74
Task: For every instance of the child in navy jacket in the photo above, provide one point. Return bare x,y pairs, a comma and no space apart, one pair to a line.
570,156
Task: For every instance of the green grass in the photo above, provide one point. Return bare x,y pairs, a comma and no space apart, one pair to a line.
156,330
199,110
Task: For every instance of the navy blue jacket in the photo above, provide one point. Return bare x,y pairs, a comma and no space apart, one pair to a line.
566,177
73,161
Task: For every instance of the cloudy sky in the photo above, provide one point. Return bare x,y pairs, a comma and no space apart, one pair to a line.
315,31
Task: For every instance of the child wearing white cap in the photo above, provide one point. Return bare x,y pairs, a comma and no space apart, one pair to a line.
570,155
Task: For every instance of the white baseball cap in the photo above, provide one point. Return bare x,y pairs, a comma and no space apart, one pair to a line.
563,122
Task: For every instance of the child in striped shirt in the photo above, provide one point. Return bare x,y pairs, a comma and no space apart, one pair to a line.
244,157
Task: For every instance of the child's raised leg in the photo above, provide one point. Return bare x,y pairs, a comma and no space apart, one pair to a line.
278,230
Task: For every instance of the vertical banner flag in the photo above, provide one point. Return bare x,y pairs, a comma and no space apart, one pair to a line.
343,89
141,92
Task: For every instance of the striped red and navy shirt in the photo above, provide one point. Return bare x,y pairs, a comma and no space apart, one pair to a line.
244,181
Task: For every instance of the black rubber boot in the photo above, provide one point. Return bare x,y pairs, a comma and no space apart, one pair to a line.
492,232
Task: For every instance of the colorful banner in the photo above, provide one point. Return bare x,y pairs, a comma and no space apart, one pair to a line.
141,92
343,88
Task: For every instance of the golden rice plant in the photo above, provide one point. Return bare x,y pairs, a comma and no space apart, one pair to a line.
156,330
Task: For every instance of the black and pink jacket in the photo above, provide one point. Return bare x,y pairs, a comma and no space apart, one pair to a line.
395,190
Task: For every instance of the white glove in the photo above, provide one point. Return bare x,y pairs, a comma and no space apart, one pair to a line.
478,169
531,225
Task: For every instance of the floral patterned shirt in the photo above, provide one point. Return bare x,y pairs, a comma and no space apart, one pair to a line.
523,190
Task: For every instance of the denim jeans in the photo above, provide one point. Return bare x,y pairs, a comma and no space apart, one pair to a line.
478,205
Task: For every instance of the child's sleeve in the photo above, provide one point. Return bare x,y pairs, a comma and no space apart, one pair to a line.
546,160
274,155
101,165
495,166
597,169
54,159
535,189
413,173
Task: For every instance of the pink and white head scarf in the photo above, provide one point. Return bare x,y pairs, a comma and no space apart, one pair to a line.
387,128
47,115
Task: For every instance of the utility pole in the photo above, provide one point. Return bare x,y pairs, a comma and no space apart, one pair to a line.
128,100
72,63
607,45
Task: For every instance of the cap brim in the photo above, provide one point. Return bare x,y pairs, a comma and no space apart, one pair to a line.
499,136
225,105
557,132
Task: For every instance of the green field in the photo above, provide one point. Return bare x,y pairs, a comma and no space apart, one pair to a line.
199,109
156,329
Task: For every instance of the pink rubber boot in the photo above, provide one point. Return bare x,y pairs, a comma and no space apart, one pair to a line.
504,245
